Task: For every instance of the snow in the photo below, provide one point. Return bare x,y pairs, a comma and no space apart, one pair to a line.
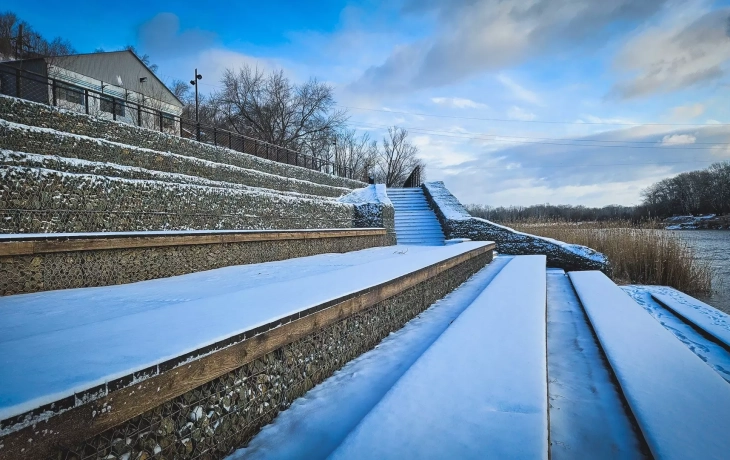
34,160
7,174
207,163
453,210
446,202
374,193
415,221
456,241
479,391
270,163
713,354
45,337
163,233
709,319
681,404
687,222
315,424
587,416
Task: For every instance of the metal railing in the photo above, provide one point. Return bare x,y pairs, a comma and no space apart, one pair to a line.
414,180
59,92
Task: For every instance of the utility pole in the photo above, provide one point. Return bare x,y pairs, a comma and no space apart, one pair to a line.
194,82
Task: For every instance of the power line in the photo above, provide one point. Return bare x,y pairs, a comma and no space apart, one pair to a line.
573,165
494,138
531,121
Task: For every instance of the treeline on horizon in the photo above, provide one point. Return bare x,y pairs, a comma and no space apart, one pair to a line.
301,116
701,192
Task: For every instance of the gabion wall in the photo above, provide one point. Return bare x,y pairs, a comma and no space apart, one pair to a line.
509,241
60,150
35,114
65,270
214,419
41,201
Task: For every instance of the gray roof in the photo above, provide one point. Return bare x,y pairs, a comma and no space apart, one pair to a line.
114,66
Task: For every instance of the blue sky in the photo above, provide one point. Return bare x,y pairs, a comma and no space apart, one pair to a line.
511,102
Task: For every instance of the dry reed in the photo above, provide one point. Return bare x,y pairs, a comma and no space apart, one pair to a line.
637,255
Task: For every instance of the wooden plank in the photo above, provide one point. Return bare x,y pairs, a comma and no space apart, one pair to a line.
489,372
84,422
96,243
680,403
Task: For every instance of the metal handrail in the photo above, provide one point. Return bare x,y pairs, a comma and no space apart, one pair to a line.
414,179
21,83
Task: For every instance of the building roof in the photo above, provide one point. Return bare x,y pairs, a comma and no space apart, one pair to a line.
116,66
110,67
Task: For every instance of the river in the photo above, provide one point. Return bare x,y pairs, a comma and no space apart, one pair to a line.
714,247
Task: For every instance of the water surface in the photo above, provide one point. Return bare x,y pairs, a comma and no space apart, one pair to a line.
712,246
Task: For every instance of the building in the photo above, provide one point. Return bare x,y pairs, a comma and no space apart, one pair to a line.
115,85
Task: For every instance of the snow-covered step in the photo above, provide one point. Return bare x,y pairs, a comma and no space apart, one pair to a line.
710,320
587,416
415,222
57,343
479,391
679,402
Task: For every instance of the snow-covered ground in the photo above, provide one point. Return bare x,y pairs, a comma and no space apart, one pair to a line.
319,421
53,344
680,403
713,354
587,416
709,319
687,222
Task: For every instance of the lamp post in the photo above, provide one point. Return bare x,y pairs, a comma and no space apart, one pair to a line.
194,82
336,166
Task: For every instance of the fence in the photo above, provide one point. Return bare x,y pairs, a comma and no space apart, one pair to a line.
58,92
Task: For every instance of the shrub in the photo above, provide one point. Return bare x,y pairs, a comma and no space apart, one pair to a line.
640,255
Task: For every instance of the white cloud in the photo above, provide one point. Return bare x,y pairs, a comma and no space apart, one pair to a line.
689,47
519,91
687,112
473,37
517,113
678,139
458,102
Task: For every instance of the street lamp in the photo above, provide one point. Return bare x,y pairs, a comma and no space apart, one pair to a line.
336,166
194,82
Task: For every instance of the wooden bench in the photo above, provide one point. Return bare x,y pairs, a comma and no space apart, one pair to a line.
681,405
480,390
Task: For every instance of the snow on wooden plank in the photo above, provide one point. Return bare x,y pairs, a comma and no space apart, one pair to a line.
480,390
587,416
680,403
710,352
709,319
60,342
319,421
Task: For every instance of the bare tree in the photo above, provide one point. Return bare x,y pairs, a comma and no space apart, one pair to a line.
397,158
355,156
272,108
18,40
145,58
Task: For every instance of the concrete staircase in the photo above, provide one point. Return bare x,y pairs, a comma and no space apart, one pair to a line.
415,222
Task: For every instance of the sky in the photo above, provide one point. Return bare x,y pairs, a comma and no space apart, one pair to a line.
510,102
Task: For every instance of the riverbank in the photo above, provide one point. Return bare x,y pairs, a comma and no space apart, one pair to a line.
636,255
708,222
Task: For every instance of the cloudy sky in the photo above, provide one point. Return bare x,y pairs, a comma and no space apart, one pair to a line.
511,102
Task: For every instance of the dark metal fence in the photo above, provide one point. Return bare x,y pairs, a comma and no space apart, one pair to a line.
113,105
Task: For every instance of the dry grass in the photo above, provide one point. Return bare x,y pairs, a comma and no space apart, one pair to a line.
637,255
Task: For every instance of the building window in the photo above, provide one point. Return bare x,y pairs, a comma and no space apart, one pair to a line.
168,121
110,104
70,93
